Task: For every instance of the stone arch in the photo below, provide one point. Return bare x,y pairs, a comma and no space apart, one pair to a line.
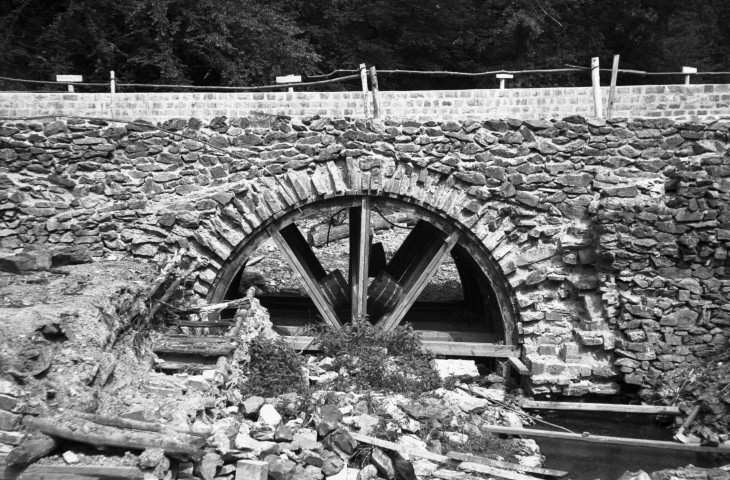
230,235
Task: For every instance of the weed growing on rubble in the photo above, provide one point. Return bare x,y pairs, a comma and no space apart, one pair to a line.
372,359
274,369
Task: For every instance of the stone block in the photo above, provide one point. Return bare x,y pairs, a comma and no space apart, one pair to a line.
9,421
252,470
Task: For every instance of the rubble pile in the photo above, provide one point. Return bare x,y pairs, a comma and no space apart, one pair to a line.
704,388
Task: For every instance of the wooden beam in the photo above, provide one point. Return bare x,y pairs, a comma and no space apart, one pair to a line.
457,349
596,81
470,349
301,258
417,452
416,279
83,431
407,253
463,457
47,472
365,99
586,437
359,258
199,324
521,367
600,407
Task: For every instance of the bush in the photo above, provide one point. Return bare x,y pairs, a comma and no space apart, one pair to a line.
273,369
373,359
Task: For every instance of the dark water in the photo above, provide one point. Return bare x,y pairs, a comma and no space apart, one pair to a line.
589,461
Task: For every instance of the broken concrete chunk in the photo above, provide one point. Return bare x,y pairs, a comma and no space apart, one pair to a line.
332,465
383,463
461,369
70,457
252,470
252,405
269,416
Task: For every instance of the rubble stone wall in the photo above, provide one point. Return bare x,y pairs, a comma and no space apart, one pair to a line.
669,101
613,236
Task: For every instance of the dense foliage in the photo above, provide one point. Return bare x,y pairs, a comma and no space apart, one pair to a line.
369,358
248,42
273,369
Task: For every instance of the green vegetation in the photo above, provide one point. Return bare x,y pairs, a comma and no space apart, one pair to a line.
372,359
249,42
273,369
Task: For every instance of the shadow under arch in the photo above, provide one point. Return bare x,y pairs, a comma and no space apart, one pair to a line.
481,275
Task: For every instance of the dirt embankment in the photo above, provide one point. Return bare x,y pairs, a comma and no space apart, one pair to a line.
61,334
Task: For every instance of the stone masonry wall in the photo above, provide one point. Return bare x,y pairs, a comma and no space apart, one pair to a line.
612,236
667,101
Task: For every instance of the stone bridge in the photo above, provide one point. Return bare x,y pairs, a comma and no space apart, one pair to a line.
606,243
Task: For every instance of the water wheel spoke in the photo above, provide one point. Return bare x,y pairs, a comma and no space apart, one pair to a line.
413,266
302,259
359,257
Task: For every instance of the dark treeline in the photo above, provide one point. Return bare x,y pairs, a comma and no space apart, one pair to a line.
249,42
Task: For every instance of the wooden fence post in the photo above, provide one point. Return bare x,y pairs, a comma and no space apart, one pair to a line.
376,92
502,77
112,91
612,91
596,80
364,79
687,71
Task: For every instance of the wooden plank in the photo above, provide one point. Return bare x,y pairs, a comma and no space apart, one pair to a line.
202,351
586,437
459,349
407,253
182,338
521,367
416,280
49,472
417,452
456,336
600,407
310,274
463,457
199,324
298,244
359,258
470,349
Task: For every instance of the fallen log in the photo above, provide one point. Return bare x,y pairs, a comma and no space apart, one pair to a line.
90,433
170,290
416,452
140,425
463,457
79,472
240,302
31,450
586,437
166,270
321,234
600,407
